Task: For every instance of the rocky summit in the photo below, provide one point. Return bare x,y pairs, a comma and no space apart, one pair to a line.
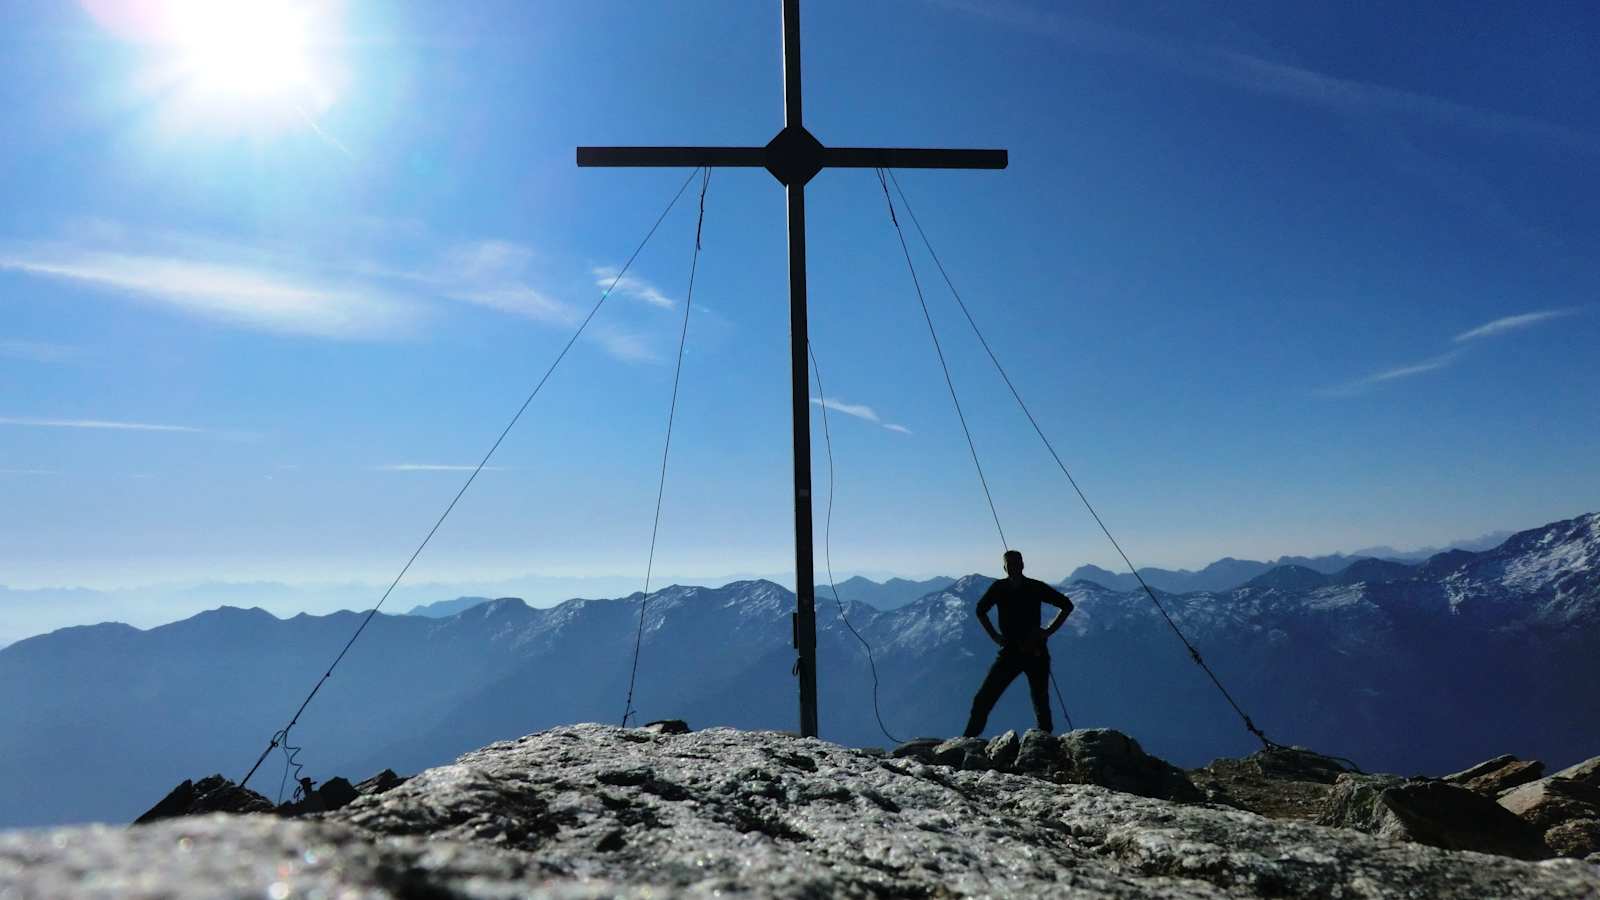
596,811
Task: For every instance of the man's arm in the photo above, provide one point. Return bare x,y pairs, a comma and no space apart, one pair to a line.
984,605
1060,601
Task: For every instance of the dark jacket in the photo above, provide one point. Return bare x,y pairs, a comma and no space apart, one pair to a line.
1019,603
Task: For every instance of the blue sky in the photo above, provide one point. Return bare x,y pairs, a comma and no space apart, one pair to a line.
1277,278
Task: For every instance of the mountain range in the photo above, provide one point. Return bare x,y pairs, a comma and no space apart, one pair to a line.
891,594
1405,667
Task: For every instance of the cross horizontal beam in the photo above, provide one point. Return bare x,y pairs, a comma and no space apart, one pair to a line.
758,157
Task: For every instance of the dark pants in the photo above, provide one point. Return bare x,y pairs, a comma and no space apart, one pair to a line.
1007,666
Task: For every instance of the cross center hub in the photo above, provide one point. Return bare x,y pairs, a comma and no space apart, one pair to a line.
794,156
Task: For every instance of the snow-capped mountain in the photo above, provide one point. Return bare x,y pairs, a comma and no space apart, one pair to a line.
1410,668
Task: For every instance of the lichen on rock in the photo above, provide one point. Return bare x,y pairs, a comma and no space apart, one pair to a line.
592,811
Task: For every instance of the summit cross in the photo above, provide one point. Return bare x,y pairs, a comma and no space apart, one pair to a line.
794,157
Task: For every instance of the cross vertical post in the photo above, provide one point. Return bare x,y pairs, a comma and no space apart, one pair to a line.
805,617
794,156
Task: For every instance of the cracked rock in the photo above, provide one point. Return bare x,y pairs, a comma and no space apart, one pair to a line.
566,813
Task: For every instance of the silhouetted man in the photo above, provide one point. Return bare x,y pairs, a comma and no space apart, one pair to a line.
1022,642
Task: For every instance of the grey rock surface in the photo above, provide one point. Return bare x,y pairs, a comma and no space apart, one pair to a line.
1577,838
1354,802
963,753
593,811
1483,768
386,780
1002,750
1445,815
1587,772
208,795
917,748
1039,753
1496,775
1436,813
1550,801
1281,783
1114,760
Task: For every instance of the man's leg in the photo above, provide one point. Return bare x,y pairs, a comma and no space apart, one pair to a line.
1006,668
1038,670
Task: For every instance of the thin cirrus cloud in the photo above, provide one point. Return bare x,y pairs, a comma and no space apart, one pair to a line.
1397,373
605,278
513,299
238,294
1494,328
1511,323
21,422
493,274
360,300
859,411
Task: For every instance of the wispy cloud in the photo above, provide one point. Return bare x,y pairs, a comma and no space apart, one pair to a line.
1394,374
631,286
626,346
1487,330
1511,323
1427,365
96,423
39,351
515,299
859,411
29,472
490,259
238,294
290,291
433,467
1264,76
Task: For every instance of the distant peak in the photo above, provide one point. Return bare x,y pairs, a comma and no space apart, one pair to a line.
1289,578
234,612
966,582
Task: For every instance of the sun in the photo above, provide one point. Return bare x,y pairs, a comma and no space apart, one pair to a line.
235,67
243,49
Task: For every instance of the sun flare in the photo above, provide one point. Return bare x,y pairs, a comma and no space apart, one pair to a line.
243,49
254,67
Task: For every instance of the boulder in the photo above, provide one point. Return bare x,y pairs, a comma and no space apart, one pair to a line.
1003,749
1112,759
1550,801
386,780
1493,776
1038,753
208,795
1483,768
1587,772
917,748
1297,764
667,726
1354,802
1452,817
1435,813
337,793
963,753
1576,838
176,803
